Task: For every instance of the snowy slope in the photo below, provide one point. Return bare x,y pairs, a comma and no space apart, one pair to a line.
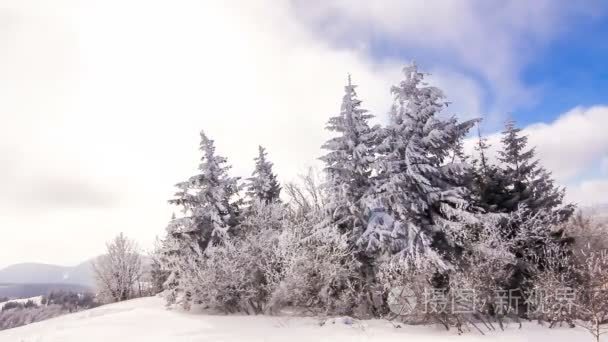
146,319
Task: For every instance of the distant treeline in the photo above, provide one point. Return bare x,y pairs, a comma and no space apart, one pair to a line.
56,303
27,290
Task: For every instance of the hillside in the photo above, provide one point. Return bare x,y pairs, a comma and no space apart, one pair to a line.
147,319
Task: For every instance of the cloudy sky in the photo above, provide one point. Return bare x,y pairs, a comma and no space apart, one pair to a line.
101,102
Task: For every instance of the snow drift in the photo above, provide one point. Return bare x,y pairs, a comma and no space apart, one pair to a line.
147,319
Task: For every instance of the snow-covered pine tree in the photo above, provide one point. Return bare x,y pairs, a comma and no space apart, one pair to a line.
206,198
489,185
458,154
158,274
482,147
528,183
528,193
348,164
263,185
415,183
519,163
208,216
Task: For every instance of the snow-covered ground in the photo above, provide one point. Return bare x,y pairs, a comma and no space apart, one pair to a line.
36,300
146,319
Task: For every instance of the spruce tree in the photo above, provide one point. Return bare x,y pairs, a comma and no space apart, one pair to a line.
205,198
208,217
482,147
518,162
415,182
158,272
263,185
528,183
528,192
348,166
348,163
489,184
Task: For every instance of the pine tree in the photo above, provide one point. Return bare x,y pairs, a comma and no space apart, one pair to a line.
206,199
158,271
458,154
348,166
528,183
529,194
208,217
415,183
348,163
482,148
519,163
263,185
489,185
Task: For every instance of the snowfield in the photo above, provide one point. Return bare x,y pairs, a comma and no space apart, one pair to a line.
147,319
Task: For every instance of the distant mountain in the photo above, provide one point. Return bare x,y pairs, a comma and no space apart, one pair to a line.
12,291
35,279
38,273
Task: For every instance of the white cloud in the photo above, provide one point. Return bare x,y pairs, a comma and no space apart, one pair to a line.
104,101
587,125
569,146
573,143
492,40
589,193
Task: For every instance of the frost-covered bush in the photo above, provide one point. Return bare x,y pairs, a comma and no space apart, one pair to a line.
232,277
19,305
484,267
574,290
406,280
71,301
19,316
591,232
421,290
590,259
552,290
12,305
276,261
316,269
571,285
592,292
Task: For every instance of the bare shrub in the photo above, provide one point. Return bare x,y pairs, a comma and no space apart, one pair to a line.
552,293
118,273
592,294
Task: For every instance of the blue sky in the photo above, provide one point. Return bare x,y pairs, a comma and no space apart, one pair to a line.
571,71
